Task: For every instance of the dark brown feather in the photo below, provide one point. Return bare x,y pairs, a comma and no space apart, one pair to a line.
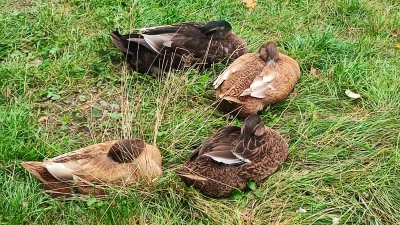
265,152
55,187
126,150
189,46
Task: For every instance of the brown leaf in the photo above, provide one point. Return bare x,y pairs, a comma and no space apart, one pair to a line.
86,106
35,63
8,92
314,72
43,119
250,3
395,33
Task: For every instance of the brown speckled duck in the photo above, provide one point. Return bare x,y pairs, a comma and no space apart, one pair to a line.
85,171
182,45
255,80
233,156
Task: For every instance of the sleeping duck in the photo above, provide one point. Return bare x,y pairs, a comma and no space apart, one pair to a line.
85,171
255,80
233,156
183,45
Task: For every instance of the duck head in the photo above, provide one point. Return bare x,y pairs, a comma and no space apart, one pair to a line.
219,28
253,125
126,150
269,52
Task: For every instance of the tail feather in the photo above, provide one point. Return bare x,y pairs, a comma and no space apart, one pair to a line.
37,169
129,43
53,186
191,176
116,37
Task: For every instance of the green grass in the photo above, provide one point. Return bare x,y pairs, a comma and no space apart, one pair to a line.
344,158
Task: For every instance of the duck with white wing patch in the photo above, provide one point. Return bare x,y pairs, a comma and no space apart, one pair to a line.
255,80
233,156
184,45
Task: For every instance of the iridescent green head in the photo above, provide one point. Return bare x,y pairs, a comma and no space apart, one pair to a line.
219,27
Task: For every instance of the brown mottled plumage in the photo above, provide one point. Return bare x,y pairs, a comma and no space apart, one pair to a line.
85,171
159,49
255,80
233,156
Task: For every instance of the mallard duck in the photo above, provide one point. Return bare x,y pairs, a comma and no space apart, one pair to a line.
233,156
87,170
255,80
182,45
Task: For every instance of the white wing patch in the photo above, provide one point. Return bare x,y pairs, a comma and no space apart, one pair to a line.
152,28
222,77
156,42
268,77
59,171
167,44
263,83
224,160
240,157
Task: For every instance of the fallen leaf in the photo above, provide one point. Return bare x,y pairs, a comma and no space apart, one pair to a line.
352,94
398,46
250,4
301,210
395,33
86,106
335,220
8,92
35,63
314,72
43,118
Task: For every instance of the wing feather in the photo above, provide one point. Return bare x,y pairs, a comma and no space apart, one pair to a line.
222,140
226,157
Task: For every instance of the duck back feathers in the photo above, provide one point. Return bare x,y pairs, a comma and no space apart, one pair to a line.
88,169
255,80
180,45
234,155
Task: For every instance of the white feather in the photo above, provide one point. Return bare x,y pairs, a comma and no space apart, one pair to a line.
152,28
59,171
224,160
257,82
240,157
352,94
260,85
269,77
156,42
259,92
167,44
222,77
